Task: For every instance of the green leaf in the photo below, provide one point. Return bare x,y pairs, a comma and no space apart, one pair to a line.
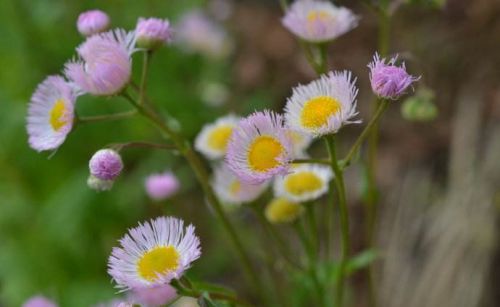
361,260
420,107
212,288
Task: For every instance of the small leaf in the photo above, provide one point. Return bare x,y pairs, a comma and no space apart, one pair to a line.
420,107
361,261
212,288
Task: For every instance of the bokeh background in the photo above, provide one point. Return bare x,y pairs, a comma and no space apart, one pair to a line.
439,179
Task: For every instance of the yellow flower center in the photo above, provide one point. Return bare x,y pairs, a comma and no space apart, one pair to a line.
219,137
281,210
318,110
158,261
57,120
302,182
314,16
235,187
264,152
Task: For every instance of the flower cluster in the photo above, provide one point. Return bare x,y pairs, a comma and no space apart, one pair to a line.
247,154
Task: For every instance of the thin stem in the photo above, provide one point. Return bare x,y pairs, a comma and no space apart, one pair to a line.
344,219
313,228
323,56
104,117
203,178
281,244
186,288
315,161
299,228
145,67
120,146
373,122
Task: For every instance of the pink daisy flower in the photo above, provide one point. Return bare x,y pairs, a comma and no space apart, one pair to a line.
260,147
39,301
318,21
153,254
50,114
105,66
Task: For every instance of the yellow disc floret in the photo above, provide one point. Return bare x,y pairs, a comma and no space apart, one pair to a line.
318,15
264,152
158,261
57,113
318,110
219,137
302,182
281,210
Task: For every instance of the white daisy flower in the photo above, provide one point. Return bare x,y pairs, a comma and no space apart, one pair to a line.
306,182
153,254
322,106
318,21
213,138
281,210
232,190
50,114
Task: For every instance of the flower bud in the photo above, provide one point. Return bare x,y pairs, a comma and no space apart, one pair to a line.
106,164
388,80
161,186
92,22
152,33
420,107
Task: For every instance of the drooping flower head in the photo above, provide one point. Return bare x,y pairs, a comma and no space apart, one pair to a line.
388,80
105,65
305,182
322,106
196,32
318,21
50,113
106,164
39,301
153,254
152,33
231,190
92,22
282,210
213,138
259,148
154,296
161,186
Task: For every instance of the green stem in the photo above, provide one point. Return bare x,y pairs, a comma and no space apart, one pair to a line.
281,244
202,175
145,67
315,161
104,117
344,218
120,146
373,123
313,229
311,270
